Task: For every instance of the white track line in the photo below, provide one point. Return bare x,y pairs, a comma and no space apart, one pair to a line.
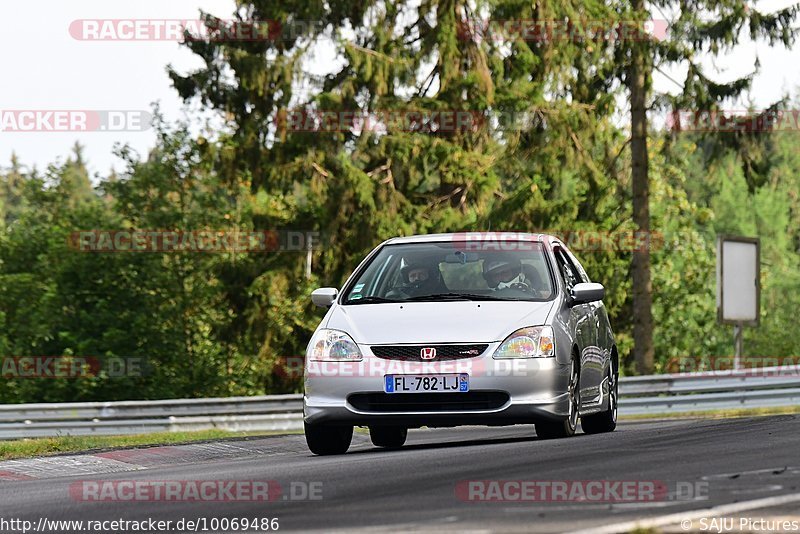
672,519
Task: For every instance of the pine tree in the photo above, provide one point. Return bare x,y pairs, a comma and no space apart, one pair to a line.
700,29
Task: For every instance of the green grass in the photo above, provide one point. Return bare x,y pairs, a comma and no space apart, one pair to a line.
717,414
27,448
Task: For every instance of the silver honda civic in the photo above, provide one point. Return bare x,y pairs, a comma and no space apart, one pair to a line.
461,329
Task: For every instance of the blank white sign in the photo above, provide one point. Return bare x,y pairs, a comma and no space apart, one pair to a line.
737,281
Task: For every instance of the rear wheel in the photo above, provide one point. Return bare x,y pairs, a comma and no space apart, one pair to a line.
604,421
390,437
325,439
565,428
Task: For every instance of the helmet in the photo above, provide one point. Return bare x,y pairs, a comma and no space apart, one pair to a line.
406,271
494,267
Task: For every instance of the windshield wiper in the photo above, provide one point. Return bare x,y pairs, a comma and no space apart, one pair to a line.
455,296
371,300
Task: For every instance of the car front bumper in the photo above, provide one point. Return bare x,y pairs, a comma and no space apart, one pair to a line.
522,391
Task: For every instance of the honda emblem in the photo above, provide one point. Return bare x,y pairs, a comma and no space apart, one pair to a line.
427,353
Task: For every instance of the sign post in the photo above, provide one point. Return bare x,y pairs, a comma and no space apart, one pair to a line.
738,286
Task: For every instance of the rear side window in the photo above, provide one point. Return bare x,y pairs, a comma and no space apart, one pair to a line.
575,263
568,272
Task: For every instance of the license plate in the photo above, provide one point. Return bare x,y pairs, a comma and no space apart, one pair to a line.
454,383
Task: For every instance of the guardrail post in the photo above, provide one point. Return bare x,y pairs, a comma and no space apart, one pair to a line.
738,335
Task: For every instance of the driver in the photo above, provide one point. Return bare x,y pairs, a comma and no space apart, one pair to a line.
502,273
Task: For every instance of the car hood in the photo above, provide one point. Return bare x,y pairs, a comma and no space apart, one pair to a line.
436,322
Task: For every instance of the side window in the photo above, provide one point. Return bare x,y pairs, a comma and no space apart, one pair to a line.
538,276
577,265
567,271
377,275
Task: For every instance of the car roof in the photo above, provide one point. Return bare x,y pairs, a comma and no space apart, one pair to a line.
472,236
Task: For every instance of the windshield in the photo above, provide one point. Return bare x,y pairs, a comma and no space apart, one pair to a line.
447,271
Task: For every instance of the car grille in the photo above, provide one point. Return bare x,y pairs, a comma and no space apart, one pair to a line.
411,353
428,402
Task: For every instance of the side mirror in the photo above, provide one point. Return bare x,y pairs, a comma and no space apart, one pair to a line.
586,292
324,296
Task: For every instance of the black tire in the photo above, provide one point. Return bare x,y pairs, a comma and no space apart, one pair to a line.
567,427
604,421
390,437
325,440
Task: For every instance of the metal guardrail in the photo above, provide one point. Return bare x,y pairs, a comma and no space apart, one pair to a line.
237,414
87,411
655,394
765,387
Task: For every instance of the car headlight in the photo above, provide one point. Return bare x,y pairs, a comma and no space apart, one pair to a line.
528,342
332,346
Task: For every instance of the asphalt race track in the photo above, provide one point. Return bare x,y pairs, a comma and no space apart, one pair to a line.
750,463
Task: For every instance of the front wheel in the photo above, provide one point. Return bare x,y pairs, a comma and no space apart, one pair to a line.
325,440
390,437
604,421
567,427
